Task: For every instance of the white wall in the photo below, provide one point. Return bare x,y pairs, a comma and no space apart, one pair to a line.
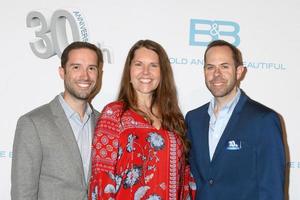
269,39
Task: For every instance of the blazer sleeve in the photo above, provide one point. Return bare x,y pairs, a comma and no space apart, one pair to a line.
191,152
271,159
188,135
26,161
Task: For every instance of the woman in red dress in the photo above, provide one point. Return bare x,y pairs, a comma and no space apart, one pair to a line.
139,147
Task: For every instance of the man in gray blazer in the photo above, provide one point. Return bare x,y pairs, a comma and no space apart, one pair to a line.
52,144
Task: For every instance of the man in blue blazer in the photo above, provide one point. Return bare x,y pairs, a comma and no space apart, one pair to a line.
236,151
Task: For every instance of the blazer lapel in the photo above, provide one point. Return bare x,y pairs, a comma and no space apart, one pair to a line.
67,133
94,119
231,127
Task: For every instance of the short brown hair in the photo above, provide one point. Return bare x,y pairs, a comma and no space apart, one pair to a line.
236,53
80,45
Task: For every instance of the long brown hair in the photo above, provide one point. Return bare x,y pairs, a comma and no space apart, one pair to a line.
164,97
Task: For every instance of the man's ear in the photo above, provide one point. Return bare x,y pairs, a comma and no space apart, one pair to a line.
61,72
239,72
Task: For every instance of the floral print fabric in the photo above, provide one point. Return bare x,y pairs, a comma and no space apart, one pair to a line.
133,160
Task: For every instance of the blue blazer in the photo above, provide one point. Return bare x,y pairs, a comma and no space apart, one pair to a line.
249,160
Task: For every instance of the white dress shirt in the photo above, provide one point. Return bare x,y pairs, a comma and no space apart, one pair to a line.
218,124
82,132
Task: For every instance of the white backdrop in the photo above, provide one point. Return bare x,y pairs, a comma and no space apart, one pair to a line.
267,32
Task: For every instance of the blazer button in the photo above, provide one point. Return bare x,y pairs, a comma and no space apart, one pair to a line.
211,181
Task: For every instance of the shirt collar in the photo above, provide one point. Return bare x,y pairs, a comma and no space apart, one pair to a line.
69,111
228,107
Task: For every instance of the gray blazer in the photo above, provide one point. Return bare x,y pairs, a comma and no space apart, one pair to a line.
46,163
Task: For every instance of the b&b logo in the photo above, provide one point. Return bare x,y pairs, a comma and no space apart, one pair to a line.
203,31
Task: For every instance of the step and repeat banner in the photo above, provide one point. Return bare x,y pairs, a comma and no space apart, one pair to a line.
34,33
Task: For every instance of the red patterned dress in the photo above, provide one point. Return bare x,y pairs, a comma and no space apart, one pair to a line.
133,160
